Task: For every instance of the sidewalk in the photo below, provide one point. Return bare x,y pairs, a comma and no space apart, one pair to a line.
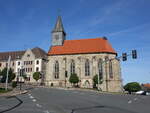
14,92
85,89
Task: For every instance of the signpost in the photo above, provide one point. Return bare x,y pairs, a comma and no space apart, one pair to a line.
8,67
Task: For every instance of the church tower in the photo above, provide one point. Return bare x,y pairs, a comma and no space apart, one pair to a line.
58,33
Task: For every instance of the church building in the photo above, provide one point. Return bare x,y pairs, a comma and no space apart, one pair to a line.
84,57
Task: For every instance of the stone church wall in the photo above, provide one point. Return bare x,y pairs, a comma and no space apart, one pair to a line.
109,84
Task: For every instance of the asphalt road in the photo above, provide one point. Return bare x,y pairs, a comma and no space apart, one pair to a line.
45,100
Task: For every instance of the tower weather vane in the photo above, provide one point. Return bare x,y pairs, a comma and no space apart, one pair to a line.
59,11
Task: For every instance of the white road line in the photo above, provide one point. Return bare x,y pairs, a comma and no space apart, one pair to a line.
135,99
29,94
31,97
34,100
38,105
46,111
129,102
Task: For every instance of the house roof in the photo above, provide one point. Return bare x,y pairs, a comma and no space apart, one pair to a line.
146,85
14,55
95,45
38,52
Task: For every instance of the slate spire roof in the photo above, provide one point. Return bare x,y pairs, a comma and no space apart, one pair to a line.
59,26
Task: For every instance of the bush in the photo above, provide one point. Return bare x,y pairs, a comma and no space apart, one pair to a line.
3,90
24,76
95,80
74,79
14,84
36,76
132,87
11,75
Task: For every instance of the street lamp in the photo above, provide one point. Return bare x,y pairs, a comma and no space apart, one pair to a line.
8,67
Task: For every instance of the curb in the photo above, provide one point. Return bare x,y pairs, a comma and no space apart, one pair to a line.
99,92
13,93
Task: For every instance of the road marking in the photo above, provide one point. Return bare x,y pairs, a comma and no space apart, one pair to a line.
46,111
29,94
38,105
135,99
31,97
129,102
34,100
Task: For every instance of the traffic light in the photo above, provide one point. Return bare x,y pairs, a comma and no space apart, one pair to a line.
134,54
124,56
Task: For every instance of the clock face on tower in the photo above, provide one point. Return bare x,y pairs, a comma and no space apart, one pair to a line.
56,37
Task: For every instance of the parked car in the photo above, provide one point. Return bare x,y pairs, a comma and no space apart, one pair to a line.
147,93
142,93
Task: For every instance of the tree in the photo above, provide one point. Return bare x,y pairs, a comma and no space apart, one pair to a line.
74,79
95,80
36,75
11,75
0,75
132,87
24,76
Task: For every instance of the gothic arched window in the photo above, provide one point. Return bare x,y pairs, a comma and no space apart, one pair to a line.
100,68
106,66
110,69
87,68
72,67
56,70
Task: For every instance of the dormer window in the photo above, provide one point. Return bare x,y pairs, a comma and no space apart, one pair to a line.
18,57
37,62
28,55
18,63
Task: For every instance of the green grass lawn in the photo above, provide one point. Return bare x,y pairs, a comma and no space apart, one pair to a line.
2,90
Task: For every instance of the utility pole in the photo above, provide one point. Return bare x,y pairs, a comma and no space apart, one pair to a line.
8,66
123,57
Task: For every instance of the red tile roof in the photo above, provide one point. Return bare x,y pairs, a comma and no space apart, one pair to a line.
146,85
96,45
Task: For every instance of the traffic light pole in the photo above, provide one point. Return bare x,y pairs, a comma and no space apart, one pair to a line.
123,57
8,66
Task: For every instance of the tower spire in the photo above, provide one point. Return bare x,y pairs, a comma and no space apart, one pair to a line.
59,26
58,33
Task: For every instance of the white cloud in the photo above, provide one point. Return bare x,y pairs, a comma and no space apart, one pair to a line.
106,12
135,28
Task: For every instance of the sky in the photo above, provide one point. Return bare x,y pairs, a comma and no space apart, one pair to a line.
126,23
